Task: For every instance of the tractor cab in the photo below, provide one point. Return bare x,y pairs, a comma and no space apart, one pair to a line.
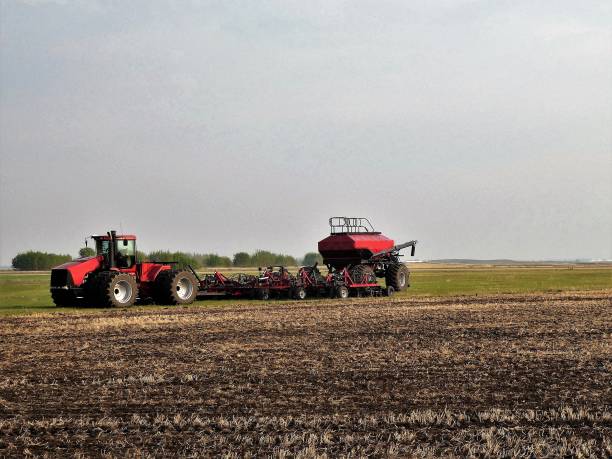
119,251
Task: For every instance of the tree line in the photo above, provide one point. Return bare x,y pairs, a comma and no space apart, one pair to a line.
38,261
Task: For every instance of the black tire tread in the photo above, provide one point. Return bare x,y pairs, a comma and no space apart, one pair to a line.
92,290
64,298
296,293
340,289
263,294
360,274
165,289
105,288
392,277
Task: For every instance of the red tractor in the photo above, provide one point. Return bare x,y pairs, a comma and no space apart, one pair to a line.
114,277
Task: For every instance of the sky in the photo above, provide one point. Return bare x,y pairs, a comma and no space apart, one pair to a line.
481,128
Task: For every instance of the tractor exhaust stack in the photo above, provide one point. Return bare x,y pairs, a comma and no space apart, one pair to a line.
112,235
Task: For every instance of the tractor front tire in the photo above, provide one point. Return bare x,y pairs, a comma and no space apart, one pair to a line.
175,287
92,290
117,289
398,276
64,298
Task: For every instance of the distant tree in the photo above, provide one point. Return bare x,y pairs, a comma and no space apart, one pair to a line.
225,262
311,258
262,258
242,259
214,260
86,252
182,258
267,258
38,261
200,259
285,260
141,256
217,261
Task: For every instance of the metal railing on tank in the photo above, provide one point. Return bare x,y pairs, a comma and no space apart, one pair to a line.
340,225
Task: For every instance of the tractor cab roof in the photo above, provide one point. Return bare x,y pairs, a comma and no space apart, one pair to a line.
105,237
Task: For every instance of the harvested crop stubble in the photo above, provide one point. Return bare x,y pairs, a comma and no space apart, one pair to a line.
497,375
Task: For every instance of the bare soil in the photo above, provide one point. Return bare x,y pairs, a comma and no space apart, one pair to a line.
501,375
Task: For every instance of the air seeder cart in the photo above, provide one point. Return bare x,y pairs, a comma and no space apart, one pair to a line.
356,255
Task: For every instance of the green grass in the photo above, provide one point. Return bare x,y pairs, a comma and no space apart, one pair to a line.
471,281
23,293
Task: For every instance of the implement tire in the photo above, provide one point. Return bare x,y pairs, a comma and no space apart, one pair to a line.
175,287
342,292
398,276
263,294
363,274
299,293
117,289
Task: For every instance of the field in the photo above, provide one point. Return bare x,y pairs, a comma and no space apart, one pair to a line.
22,293
425,374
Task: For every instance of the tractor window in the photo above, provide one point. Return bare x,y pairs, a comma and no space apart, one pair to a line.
126,253
126,247
102,247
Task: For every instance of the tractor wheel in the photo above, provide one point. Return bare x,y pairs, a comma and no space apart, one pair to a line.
175,287
390,291
363,274
64,298
92,290
117,289
398,276
299,293
263,294
342,292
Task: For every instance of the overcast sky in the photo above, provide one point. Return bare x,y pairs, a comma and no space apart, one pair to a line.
481,128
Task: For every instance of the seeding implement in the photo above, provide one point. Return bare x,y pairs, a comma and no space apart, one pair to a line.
355,256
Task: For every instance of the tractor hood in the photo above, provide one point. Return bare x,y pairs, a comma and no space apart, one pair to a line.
80,267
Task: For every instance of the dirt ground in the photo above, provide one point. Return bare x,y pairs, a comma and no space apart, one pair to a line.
455,376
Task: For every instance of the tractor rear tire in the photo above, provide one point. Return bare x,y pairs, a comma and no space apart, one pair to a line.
363,274
398,276
64,298
342,292
175,287
117,289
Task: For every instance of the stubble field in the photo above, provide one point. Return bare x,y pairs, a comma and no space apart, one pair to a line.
498,375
